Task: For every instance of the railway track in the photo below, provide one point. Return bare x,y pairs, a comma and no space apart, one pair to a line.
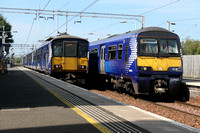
188,104
180,107
186,117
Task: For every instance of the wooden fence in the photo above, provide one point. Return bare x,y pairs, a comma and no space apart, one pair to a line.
191,66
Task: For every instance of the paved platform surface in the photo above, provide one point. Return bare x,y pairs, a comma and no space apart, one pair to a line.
192,82
31,102
26,107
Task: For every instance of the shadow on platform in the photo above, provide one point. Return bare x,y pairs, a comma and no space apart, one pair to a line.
18,90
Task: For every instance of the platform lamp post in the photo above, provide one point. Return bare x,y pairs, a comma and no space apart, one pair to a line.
124,21
99,35
169,24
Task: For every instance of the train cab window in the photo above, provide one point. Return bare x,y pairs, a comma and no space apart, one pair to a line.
112,52
120,46
158,47
82,49
168,46
148,46
70,48
58,48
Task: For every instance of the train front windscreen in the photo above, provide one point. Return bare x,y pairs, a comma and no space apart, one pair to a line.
158,47
65,48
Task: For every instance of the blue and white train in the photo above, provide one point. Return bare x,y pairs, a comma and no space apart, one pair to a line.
145,61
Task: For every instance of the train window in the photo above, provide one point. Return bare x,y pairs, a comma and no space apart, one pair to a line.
38,54
29,58
94,51
127,53
168,46
82,49
112,52
34,54
120,46
44,54
148,46
58,48
70,48
158,47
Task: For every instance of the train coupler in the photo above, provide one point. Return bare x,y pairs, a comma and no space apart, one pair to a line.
160,86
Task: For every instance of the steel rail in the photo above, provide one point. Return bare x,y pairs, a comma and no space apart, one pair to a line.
187,104
170,108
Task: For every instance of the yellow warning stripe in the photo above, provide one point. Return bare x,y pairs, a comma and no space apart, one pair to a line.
78,111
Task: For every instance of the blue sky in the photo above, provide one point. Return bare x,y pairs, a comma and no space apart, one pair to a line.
185,13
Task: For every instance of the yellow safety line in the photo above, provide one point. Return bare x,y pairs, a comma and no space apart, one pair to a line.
78,111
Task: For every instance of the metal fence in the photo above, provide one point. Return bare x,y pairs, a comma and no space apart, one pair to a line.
191,66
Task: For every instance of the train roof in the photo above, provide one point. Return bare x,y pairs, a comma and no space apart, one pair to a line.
68,36
62,36
130,33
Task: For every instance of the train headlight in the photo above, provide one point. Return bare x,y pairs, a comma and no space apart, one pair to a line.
82,67
57,66
144,68
174,69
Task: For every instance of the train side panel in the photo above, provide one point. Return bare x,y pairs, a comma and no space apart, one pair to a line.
34,59
49,58
44,58
39,59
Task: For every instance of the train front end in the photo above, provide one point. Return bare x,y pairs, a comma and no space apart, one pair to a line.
159,63
69,56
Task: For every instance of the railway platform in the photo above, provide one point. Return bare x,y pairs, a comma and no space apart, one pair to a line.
191,82
31,102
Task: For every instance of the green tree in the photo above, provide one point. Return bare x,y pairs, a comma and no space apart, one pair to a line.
190,47
8,27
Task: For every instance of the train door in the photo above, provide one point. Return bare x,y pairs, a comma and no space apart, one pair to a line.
47,58
102,60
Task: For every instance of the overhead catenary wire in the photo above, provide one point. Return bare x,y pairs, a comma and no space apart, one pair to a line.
65,4
68,13
188,30
186,19
145,13
30,31
160,7
41,29
74,16
33,23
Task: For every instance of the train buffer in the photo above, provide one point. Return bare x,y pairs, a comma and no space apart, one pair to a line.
34,102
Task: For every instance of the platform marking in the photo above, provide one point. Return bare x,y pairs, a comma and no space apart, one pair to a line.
109,122
14,109
82,114
79,112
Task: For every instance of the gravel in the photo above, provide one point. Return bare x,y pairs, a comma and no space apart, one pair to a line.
168,113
